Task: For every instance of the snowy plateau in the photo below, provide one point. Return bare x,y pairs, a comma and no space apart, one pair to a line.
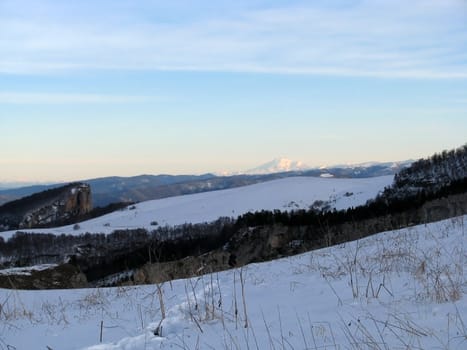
401,289
283,194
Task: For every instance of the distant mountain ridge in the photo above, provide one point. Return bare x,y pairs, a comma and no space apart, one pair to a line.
140,188
278,165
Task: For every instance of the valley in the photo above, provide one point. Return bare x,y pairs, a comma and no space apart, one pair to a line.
311,262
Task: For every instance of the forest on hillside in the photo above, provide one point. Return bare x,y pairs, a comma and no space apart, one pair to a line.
426,181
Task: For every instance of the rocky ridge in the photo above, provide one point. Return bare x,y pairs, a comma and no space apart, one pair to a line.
48,208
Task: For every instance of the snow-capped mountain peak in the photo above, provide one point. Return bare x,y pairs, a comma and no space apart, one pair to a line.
278,165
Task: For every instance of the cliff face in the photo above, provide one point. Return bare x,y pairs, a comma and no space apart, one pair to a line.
78,201
48,208
74,202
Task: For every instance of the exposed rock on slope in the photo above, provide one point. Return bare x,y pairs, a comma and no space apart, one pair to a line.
53,277
51,207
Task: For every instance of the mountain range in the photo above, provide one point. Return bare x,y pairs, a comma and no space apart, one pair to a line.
278,165
114,189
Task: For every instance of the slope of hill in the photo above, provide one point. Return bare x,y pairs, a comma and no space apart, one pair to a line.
11,194
284,194
402,289
446,166
428,175
114,189
368,169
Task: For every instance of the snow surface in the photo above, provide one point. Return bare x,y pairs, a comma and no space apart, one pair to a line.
26,271
402,289
284,194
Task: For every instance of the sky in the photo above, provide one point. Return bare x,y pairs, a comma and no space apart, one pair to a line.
124,87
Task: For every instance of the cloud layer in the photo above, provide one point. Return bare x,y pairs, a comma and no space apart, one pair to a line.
378,38
23,98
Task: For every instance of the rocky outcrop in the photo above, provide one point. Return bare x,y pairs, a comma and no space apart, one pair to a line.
55,277
74,202
189,266
52,207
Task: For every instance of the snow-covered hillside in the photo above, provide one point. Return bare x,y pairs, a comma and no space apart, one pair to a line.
403,289
284,194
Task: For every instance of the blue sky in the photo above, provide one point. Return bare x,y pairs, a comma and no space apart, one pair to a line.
98,88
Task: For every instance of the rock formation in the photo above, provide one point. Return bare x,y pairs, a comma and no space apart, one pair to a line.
52,207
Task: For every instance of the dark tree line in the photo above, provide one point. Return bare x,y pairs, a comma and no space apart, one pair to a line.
380,206
430,174
119,249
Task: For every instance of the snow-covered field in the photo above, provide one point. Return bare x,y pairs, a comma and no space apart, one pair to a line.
283,194
403,289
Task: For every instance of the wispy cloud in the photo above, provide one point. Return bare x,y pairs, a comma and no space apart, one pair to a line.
382,38
63,98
